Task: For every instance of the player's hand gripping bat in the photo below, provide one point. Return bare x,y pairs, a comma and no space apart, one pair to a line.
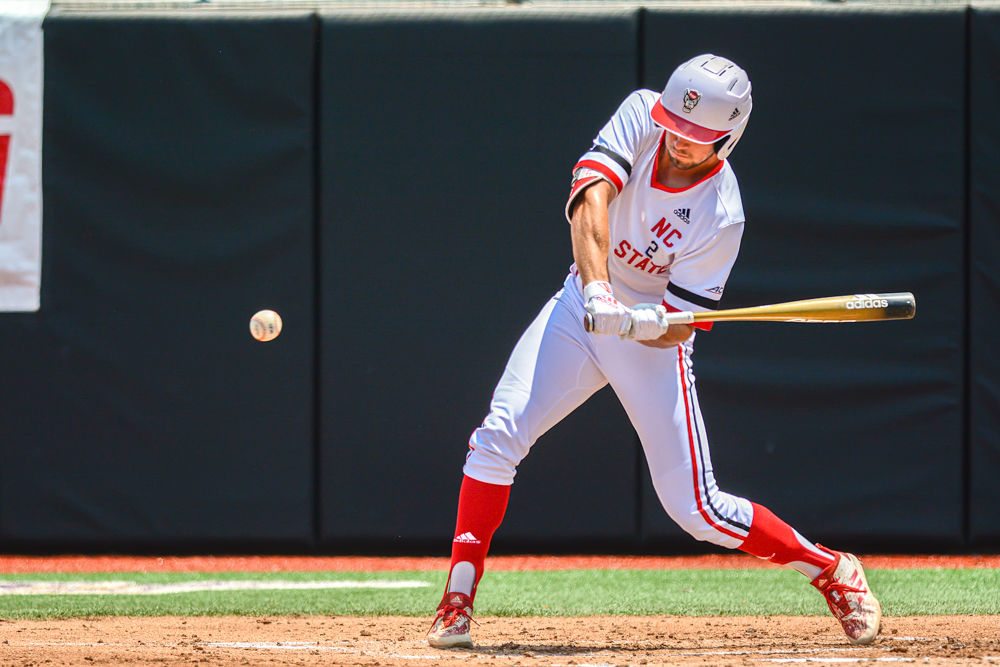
851,308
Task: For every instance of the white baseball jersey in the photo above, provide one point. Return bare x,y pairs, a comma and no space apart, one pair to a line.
677,245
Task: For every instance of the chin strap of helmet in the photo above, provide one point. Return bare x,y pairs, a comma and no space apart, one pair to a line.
725,145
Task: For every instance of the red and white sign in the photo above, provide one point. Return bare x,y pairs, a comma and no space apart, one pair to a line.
21,79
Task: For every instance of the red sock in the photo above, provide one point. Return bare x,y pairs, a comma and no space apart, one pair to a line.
481,507
772,539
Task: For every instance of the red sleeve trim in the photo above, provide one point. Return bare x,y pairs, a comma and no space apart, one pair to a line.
578,186
704,326
603,169
581,184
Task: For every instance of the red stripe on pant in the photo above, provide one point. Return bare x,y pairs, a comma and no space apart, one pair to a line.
694,455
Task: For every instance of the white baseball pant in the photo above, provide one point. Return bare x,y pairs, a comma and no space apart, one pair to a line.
556,366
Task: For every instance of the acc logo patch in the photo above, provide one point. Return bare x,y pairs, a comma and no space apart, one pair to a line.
691,99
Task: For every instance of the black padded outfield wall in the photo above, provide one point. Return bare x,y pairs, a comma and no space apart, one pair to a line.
447,143
393,184
136,408
852,180
984,277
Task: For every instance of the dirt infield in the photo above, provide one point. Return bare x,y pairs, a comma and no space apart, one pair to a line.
526,642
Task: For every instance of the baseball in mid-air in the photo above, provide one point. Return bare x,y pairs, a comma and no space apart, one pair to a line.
265,325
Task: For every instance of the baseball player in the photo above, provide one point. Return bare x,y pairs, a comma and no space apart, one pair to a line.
656,220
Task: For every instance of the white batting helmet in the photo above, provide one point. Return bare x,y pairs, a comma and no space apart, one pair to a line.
706,100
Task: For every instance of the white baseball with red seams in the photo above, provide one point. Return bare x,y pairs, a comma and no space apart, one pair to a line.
675,246
265,325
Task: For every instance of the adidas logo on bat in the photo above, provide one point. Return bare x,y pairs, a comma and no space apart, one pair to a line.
859,301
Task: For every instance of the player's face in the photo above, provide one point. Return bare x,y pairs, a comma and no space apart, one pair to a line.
686,154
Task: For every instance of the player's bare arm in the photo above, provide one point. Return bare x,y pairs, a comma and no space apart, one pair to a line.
591,243
590,231
591,236
676,334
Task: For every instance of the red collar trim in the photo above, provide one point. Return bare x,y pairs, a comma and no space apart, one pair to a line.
656,168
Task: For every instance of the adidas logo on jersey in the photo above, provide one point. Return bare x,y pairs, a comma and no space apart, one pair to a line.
684,214
466,538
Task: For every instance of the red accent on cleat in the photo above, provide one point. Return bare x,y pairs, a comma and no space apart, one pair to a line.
450,628
845,588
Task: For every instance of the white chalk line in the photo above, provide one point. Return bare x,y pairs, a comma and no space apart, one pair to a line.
287,646
837,660
274,646
134,588
463,655
315,646
791,651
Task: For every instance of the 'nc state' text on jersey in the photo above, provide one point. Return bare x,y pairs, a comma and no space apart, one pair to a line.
623,250
665,231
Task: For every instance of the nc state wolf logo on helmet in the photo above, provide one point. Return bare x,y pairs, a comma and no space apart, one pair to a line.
691,99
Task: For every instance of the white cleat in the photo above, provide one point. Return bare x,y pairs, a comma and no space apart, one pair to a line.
845,588
451,625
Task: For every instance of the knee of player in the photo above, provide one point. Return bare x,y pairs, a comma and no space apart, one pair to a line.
723,523
489,464
689,516
693,523
501,438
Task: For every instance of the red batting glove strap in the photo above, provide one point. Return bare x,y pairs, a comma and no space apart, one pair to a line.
597,288
606,299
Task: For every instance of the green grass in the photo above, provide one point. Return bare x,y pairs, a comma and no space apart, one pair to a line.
560,593
728,592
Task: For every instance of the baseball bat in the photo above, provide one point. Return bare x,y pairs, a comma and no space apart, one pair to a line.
850,308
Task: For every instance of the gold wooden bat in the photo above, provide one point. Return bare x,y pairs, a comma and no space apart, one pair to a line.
850,308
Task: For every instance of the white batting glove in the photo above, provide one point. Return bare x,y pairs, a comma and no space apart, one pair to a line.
649,321
610,317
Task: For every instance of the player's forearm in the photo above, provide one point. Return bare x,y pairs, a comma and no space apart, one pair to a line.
676,334
590,233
